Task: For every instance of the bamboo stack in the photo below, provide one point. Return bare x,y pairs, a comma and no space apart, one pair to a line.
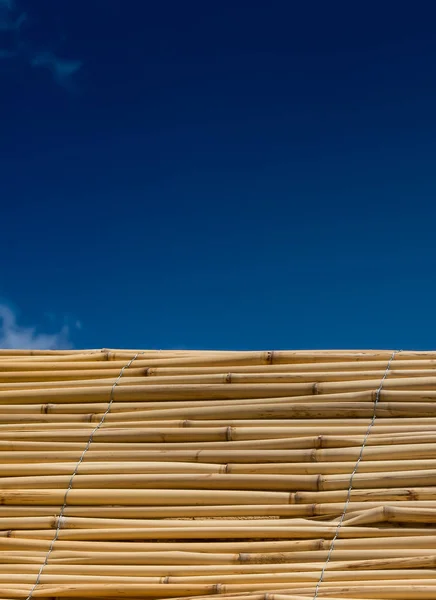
249,475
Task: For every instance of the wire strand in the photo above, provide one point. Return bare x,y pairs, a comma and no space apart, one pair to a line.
356,466
60,519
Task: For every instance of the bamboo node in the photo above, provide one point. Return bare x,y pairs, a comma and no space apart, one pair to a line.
387,511
412,495
315,391
319,441
228,378
229,434
186,423
218,588
313,456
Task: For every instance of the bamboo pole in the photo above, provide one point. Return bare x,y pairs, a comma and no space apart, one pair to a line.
252,475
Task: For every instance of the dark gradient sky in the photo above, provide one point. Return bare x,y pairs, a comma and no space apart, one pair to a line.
221,174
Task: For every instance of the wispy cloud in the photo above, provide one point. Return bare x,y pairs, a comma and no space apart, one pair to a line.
61,69
11,19
13,335
18,46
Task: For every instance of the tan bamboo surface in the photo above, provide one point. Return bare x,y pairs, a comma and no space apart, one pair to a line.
283,475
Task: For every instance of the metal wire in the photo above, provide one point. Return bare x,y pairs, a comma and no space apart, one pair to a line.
356,466
70,484
99,425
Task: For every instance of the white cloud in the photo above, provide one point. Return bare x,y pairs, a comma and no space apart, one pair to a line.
19,47
10,18
61,69
13,335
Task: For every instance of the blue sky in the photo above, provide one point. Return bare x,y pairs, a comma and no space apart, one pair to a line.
218,175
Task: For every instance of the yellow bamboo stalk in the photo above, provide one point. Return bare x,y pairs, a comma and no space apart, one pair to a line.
218,473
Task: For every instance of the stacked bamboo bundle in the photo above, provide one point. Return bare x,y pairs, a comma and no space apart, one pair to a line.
249,475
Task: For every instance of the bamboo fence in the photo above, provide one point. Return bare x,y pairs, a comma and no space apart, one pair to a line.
249,475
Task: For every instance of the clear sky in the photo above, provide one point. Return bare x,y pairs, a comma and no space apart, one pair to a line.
233,174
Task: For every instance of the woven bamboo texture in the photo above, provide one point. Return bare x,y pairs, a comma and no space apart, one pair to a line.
283,475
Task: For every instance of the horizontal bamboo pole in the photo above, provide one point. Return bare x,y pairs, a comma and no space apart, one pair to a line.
43,380
421,590
223,573
213,533
225,481
141,497
214,391
174,481
76,406
383,565
98,362
35,468
186,392
22,422
212,511
219,579
264,551
114,360
265,456
155,570
178,497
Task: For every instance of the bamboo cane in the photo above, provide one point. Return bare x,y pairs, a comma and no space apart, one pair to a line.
218,473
